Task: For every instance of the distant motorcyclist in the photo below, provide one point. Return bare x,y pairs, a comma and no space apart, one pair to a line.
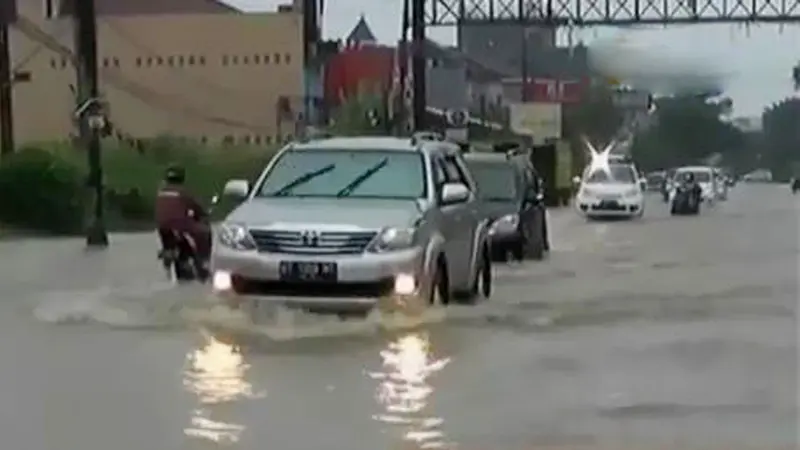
795,184
177,211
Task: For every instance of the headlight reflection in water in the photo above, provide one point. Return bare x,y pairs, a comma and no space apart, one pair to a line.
404,390
216,374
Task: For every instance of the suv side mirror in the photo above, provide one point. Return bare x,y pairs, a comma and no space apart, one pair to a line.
455,193
237,188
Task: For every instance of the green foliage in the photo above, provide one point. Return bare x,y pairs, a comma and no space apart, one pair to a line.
41,191
43,188
596,118
780,146
688,129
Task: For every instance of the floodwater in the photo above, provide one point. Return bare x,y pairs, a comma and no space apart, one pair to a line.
664,333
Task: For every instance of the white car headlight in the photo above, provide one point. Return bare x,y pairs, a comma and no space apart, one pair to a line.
235,236
394,238
507,223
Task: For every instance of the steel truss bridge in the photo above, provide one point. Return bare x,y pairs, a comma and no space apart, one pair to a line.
586,13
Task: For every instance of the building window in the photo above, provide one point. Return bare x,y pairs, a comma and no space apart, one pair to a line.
201,60
170,61
246,140
190,60
225,60
63,63
203,140
287,58
257,140
159,61
277,58
267,140
227,140
149,61
180,61
234,60
138,62
53,63
105,62
115,62
245,60
256,59
266,59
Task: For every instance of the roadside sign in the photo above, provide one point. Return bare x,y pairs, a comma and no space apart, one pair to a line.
542,121
457,118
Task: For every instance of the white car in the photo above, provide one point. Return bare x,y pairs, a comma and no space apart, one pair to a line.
704,176
615,192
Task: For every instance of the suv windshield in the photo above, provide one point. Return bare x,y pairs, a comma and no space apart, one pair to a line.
617,173
346,173
496,181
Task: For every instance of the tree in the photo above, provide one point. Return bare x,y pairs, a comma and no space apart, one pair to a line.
688,129
596,118
780,148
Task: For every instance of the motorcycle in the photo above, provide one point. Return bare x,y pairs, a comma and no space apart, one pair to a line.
179,256
795,185
685,200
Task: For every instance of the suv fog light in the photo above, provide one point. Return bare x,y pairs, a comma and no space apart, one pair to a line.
222,281
404,284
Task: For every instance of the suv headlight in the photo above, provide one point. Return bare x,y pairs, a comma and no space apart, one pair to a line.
393,238
507,223
235,236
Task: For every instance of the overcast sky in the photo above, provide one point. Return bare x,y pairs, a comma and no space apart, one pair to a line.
759,62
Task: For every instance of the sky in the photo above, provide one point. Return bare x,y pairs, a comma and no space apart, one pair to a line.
757,60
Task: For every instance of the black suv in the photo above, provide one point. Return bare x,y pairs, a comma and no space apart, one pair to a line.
511,197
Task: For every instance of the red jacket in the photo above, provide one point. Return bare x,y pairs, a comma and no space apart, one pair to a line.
176,209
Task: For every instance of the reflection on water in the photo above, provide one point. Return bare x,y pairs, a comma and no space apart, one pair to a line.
216,374
404,390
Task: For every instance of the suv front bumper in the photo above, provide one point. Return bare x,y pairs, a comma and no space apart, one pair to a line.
362,281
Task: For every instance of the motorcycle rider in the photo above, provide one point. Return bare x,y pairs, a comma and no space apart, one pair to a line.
695,189
177,211
795,184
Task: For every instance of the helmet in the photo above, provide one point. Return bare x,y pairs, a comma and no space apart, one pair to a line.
688,176
175,175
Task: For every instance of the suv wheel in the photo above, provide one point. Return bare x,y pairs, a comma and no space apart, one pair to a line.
482,285
440,286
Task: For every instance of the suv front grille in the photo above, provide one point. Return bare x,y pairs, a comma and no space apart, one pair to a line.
327,243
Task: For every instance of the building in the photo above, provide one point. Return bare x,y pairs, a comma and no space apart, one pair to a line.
454,81
191,68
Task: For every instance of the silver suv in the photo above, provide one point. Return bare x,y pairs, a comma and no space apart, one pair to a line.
343,225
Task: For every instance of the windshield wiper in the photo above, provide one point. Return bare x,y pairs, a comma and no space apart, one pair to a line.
364,176
302,179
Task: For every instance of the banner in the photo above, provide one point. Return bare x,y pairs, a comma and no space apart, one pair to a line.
541,121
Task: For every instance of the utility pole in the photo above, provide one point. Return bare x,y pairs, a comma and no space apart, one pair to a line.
7,13
88,113
419,63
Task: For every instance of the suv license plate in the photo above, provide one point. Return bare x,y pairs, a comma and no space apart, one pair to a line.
298,271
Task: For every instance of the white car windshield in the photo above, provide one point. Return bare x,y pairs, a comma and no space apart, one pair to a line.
700,176
346,173
616,174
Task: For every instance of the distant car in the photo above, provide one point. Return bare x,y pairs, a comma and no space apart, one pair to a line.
344,225
655,181
706,177
615,192
513,203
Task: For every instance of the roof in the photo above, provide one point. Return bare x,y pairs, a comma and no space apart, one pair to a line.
694,169
361,32
143,7
382,143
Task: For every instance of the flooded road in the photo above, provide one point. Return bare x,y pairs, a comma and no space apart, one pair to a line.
664,333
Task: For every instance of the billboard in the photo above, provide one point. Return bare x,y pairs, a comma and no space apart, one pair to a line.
541,121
